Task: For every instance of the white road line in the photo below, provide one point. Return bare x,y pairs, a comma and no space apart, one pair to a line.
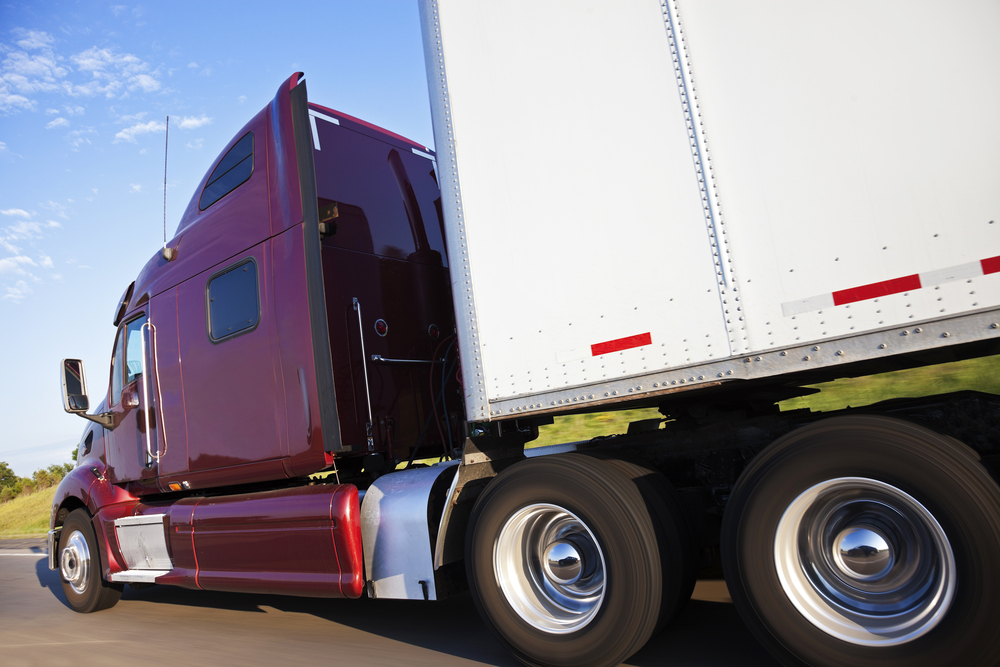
36,555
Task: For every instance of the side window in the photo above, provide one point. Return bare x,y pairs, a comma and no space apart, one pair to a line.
233,301
133,349
234,170
116,369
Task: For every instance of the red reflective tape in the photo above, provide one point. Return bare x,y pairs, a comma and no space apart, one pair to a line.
875,290
991,265
620,344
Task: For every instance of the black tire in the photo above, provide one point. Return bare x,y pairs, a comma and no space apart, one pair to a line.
599,511
80,567
678,558
799,505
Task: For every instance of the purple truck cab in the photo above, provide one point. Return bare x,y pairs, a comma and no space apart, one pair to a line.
299,321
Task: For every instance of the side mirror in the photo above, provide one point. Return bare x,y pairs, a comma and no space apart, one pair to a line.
74,386
74,392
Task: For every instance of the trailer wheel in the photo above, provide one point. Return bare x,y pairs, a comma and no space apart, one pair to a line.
867,541
678,558
80,567
563,562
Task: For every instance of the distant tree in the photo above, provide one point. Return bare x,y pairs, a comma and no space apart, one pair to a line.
7,476
42,479
58,470
6,493
73,455
27,488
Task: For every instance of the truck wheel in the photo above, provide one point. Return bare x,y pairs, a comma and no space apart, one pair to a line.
563,562
867,541
678,558
80,567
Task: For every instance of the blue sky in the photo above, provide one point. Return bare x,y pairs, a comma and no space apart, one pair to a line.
85,88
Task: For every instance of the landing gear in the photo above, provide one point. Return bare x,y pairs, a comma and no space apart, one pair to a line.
80,567
864,541
564,562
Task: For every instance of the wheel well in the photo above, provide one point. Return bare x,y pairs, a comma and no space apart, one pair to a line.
70,504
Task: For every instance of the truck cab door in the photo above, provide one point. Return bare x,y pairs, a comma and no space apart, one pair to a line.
133,440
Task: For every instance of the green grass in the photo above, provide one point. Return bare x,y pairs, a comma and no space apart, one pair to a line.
27,515
982,374
573,428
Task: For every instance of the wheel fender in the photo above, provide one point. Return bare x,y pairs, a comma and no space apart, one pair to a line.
396,532
73,491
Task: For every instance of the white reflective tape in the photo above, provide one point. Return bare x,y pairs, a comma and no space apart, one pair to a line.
313,115
806,305
323,116
312,124
422,154
951,274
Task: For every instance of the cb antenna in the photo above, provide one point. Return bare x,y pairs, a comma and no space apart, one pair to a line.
168,253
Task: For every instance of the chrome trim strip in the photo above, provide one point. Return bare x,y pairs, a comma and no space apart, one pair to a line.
882,343
382,360
53,540
364,365
150,457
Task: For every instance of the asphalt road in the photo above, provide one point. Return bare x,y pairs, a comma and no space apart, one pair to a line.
168,625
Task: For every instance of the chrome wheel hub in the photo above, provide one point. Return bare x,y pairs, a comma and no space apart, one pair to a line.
74,562
865,562
550,568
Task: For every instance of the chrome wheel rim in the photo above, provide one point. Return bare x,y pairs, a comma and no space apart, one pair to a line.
74,562
865,562
550,568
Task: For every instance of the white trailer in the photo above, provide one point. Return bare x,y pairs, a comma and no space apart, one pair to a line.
648,195
650,202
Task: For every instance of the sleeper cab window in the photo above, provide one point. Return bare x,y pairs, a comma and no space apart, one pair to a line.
233,301
232,172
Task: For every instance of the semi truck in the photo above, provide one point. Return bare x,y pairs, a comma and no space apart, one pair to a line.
327,383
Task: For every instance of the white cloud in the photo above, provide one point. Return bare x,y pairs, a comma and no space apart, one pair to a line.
9,102
191,123
132,117
19,212
3,147
58,122
135,187
45,262
14,264
23,230
241,99
130,133
52,112
53,223
193,65
18,292
78,138
112,72
206,72
195,145
146,82
30,66
35,40
94,190
118,10
60,209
